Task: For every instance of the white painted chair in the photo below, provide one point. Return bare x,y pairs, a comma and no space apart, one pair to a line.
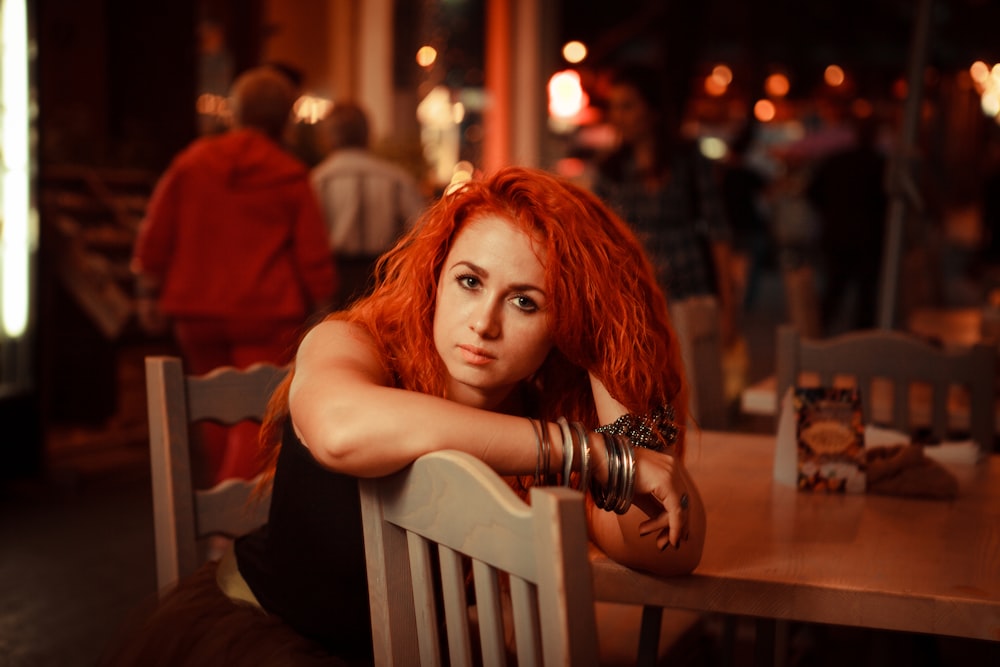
696,322
424,524
858,358
183,516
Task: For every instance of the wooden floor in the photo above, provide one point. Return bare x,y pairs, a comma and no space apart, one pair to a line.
76,549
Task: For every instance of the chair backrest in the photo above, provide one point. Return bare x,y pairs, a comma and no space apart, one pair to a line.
420,526
183,515
901,360
698,327
802,299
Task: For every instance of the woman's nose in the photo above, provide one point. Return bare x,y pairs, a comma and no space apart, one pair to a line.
486,321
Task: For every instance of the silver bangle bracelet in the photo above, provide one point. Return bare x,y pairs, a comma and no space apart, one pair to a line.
628,481
537,429
568,442
584,456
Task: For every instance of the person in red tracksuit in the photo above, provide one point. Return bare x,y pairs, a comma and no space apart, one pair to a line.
232,253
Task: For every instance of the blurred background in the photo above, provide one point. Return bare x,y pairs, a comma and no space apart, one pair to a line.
99,95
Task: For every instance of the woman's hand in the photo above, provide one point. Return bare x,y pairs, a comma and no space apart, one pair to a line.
666,512
658,517
663,492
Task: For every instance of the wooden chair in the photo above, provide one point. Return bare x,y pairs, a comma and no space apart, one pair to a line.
420,526
901,360
802,299
696,322
182,515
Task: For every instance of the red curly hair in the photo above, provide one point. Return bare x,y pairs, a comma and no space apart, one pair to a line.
609,314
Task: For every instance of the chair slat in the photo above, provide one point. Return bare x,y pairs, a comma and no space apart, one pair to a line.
421,575
231,508
489,613
527,627
697,325
456,608
181,515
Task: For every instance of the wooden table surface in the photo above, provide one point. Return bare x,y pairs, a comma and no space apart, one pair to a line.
859,560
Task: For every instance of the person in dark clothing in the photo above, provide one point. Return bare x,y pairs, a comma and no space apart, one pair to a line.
848,192
662,186
744,194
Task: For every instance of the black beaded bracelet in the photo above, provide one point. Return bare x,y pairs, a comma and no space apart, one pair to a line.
651,431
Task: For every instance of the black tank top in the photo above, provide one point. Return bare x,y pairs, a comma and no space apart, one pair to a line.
307,565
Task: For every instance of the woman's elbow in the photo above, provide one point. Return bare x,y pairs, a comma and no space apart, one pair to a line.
335,448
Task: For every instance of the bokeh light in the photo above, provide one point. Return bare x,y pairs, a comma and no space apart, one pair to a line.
426,56
777,85
566,96
979,71
574,52
714,87
764,110
834,76
722,74
311,109
713,148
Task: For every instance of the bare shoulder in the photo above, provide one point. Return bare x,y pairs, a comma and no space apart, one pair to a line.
339,346
334,333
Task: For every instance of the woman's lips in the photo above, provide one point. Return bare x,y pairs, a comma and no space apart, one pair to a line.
475,355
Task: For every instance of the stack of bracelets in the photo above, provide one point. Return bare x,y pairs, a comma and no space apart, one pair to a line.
652,432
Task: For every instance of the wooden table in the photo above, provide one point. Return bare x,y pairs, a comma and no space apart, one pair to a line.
866,561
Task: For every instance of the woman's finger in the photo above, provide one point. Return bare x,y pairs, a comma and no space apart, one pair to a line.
658,519
671,517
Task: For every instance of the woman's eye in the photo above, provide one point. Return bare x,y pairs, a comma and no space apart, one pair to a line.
525,303
468,282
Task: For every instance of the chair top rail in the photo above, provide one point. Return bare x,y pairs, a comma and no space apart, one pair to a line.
472,533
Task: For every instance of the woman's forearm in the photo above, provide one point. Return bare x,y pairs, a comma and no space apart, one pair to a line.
623,537
370,431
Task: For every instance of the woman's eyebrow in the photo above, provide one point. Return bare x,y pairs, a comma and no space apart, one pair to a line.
527,287
474,267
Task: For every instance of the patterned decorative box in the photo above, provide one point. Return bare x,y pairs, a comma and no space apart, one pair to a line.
830,437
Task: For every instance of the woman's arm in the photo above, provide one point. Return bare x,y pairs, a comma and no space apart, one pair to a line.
352,421
656,534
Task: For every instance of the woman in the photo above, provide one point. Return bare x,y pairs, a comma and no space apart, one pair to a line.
514,301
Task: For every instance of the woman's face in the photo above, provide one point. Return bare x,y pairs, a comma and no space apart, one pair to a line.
629,114
491,321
